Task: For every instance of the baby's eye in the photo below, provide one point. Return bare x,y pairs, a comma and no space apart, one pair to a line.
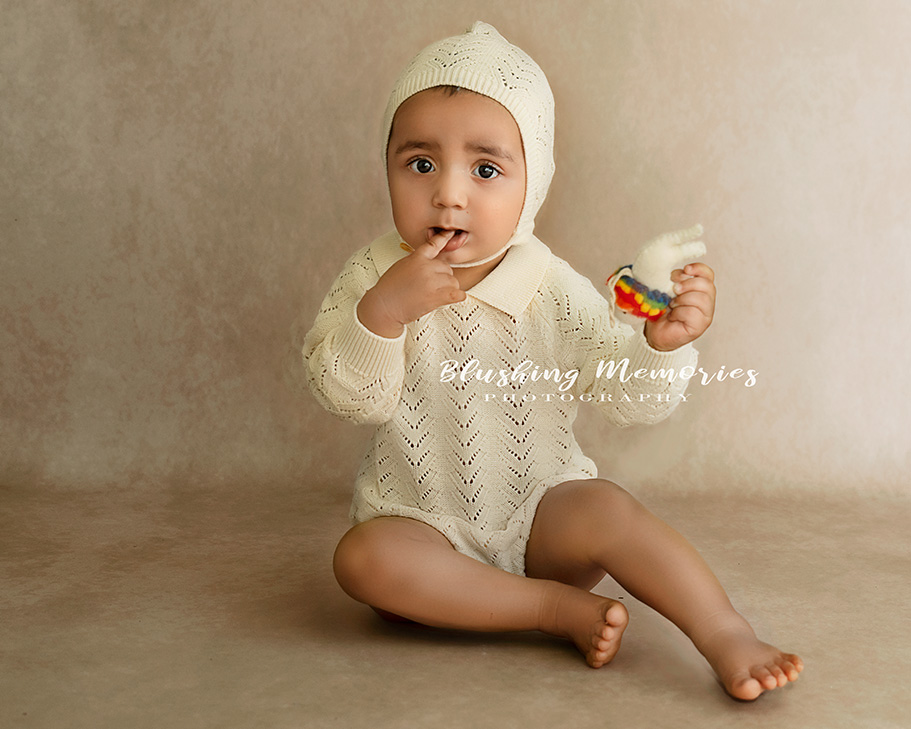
421,165
486,171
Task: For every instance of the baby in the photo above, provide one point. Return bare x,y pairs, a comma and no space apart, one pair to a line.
474,507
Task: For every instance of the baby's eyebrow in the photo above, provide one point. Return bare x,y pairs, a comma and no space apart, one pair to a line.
491,150
413,144
485,148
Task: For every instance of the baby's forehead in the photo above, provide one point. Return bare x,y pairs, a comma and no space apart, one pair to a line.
439,96
444,112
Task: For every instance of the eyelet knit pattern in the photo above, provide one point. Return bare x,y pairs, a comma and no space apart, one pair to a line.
473,458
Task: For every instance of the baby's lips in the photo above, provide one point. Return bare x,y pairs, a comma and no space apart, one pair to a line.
436,230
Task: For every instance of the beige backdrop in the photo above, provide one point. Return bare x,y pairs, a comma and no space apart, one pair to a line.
180,182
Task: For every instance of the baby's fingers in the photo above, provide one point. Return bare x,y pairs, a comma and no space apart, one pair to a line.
699,300
683,284
435,244
697,269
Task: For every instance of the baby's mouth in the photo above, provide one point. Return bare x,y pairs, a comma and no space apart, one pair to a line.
455,241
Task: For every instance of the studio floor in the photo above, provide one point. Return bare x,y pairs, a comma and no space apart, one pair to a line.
184,607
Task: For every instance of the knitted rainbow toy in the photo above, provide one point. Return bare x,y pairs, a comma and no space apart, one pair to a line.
637,299
644,289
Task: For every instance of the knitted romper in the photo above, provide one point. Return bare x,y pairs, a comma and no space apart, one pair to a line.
473,457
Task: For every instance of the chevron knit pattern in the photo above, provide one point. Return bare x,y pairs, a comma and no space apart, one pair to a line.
474,458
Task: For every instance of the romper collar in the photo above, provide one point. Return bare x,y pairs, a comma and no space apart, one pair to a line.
509,287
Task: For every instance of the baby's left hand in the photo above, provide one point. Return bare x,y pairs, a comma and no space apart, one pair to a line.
690,311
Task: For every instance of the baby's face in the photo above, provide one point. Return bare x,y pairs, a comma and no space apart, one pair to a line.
456,162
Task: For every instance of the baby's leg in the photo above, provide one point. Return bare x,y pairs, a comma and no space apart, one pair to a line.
584,528
407,568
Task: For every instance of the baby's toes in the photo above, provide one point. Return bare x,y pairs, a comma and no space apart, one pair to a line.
744,686
778,674
770,676
601,644
790,667
616,616
598,657
794,662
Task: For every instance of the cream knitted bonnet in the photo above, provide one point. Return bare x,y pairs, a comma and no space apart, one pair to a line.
483,61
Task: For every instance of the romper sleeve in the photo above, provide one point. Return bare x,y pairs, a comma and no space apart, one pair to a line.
353,373
629,381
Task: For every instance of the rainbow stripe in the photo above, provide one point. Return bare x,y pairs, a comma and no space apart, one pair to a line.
637,299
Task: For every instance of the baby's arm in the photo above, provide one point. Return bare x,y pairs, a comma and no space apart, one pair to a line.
662,348
630,394
353,372
610,354
412,287
355,352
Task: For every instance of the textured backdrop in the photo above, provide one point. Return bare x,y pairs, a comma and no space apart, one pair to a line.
180,182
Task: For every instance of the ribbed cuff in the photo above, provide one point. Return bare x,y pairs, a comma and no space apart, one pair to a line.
369,353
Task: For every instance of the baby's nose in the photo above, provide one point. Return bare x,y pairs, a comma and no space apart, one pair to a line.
450,191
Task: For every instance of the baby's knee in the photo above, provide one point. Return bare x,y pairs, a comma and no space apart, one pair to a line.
600,492
604,500
353,557
361,557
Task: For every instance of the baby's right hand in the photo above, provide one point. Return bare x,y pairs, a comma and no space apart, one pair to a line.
413,286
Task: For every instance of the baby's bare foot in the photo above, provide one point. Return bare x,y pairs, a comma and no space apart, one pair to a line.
600,643
594,623
745,665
